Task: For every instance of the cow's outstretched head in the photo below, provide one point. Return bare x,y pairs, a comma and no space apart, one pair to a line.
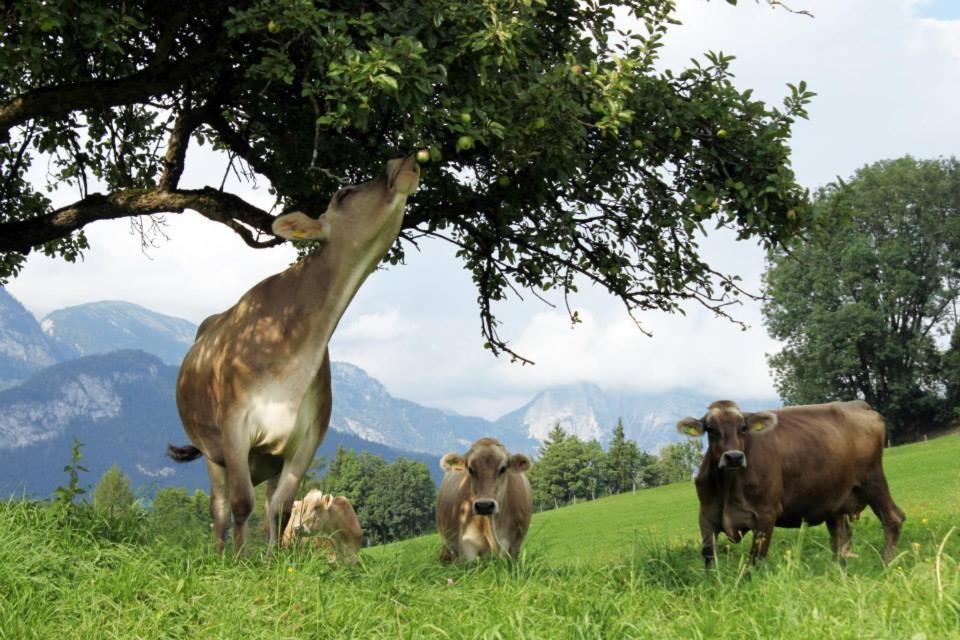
361,220
487,464
729,431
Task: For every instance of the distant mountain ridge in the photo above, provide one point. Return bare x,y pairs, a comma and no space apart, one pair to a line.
73,397
110,325
24,347
120,405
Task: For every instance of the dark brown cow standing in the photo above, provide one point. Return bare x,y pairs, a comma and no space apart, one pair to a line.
813,464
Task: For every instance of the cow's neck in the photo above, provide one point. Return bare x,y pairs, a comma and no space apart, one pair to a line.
325,284
737,512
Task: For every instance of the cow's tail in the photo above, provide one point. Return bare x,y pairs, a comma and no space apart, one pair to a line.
186,453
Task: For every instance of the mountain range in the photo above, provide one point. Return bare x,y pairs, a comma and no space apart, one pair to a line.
105,372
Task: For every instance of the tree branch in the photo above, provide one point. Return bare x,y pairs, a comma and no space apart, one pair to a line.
58,101
23,236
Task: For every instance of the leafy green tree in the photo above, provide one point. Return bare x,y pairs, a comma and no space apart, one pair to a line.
624,460
180,516
550,476
402,502
951,374
557,148
677,461
647,471
861,302
113,494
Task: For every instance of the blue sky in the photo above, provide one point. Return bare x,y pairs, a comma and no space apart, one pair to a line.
938,9
888,82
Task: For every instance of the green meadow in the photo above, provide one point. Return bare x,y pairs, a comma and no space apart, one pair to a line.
626,566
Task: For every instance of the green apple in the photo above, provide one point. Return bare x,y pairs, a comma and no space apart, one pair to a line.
466,118
538,123
637,143
273,27
722,133
423,156
464,143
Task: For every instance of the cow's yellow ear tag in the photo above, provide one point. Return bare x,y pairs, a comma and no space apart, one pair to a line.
297,233
757,426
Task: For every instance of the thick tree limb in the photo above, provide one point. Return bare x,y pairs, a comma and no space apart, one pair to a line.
58,101
23,236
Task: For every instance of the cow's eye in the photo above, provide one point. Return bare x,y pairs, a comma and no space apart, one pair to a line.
503,470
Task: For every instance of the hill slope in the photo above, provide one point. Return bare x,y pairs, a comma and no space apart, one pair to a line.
621,567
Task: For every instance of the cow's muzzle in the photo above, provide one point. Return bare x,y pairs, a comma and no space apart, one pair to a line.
484,507
733,459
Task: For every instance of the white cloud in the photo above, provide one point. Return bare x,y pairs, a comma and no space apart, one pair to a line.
388,325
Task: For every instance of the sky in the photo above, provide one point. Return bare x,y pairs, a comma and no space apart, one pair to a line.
887,75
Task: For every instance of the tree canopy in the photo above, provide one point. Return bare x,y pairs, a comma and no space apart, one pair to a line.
559,151
866,303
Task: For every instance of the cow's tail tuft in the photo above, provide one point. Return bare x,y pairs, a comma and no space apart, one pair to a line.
186,453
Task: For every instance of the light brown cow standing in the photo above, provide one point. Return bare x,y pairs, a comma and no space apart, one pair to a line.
254,390
331,520
795,465
485,502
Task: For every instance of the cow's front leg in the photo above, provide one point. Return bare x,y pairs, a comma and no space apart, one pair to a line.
839,527
761,540
280,503
708,541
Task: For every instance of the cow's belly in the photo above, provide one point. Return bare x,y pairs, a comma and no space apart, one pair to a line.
275,416
819,509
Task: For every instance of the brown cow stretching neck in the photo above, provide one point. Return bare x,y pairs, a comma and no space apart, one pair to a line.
254,390
813,464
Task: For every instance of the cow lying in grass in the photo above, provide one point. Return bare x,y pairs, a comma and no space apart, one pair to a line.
330,521
813,464
484,503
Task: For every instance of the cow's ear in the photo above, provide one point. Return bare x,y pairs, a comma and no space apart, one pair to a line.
520,463
691,427
300,226
761,421
326,501
452,462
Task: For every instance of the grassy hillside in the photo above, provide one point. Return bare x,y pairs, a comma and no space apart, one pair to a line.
625,566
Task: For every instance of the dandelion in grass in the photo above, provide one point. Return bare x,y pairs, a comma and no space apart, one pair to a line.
923,521
290,569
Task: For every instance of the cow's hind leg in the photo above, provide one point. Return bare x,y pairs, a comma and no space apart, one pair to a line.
839,527
877,495
242,497
219,503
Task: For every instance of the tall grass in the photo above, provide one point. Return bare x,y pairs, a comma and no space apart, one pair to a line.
620,567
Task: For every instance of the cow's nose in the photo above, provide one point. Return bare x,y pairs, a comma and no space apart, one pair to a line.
484,507
733,459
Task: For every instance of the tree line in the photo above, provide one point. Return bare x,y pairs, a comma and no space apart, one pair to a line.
394,500
568,469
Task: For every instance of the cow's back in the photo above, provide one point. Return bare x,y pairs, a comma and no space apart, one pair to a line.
818,454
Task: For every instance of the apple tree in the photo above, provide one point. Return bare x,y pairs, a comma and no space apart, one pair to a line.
558,150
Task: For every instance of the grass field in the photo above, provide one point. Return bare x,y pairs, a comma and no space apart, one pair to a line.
627,566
